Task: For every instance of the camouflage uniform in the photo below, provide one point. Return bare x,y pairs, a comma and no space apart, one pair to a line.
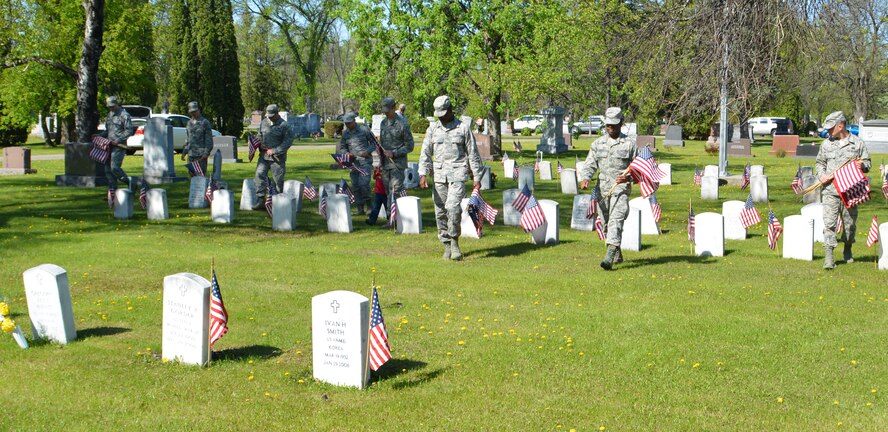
358,142
118,127
276,136
395,136
831,156
453,147
610,157
199,141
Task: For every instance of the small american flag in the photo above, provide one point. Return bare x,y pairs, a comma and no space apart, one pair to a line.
143,194
515,172
774,229
521,200
692,224
211,186
486,209
309,191
560,167
532,216
645,171
840,225
697,177
100,150
797,181
393,211
852,186
599,227
592,208
873,236
348,161
379,150
343,188
744,181
253,144
268,197
472,209
323,207
655,208
505,157
112,196
749,216
194,168
885,185
218,314
379,349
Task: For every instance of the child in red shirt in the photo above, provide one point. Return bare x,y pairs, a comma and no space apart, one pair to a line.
380,198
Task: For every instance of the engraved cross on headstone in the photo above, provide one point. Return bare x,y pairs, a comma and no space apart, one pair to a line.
334,305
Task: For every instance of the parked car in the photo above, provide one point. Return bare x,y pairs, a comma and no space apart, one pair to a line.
592,124
853,128
769,125
532,122
177,121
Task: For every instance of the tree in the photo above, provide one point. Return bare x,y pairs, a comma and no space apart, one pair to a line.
261,60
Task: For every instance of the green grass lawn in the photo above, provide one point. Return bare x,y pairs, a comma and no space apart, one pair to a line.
515,337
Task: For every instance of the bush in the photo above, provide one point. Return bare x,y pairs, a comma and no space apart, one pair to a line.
526,132
711,149
419,125
575,132
781,153
11,132
333,128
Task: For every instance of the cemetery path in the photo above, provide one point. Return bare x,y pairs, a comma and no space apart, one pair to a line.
59,156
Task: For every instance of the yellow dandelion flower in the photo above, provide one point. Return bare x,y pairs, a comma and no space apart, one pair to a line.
780,400
461,342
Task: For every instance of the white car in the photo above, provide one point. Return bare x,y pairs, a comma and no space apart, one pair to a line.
532,122
177,121
768,125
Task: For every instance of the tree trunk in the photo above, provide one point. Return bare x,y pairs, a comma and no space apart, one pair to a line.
87,81
493,120
47,136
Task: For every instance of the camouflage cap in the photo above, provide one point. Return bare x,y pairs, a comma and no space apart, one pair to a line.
833,119
442,105
193,106
388,104
271,110
349,117
613,116
111,101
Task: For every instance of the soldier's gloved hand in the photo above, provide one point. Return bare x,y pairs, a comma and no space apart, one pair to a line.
423,183
584,184
364,154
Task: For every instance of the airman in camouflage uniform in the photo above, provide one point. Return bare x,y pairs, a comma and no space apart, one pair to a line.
450,141
358,140
118,127
840,147
610,155
396,140
276,138
198,137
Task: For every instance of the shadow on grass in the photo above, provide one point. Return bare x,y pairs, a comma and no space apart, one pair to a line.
100,331
395,367
690,259
245,352
508,250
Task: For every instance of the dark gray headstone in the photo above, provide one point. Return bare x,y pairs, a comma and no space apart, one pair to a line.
227,145
80,170
217,166
297,125
646,141
312,124
742,148
674,136
807,150
552,141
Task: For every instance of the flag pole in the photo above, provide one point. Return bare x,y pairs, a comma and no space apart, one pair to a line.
369,320
209,308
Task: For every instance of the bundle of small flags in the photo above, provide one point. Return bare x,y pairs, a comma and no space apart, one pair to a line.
100,150
194,168
645,172
592,212
479,211
253,144
853,187
348,161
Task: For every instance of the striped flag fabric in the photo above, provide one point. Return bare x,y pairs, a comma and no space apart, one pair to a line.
322,210
873,236
272,190
655,208
393,210
885,185
475,216
112,196
378,345
218,314
532,216
211,186
645,171
692,224
796,185
308,190
599,227
194,169
774,229
143,194
100,151
343,188
560,167
348,161
522,199
379,150
853,187
840,224
515,172
698,179
749,216
487,211
253,144
592,208
744,180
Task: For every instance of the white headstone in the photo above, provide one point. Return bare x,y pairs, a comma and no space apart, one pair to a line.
755,170
157,204
579,166
568,181
510,216
758,187
186,318
733,226
709,188
667,169
294,188
525,177
467,228
509,169
248,195
222,209
631,238
339,323
578,219
709,234
49,303
547,233
409,217
283,212
123,204
710,170
197,194
376,125
545,170
815,212
339,214
648,223
798,237
883,249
